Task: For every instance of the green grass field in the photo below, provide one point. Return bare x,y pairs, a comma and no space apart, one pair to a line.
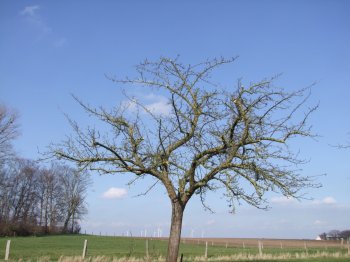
52,248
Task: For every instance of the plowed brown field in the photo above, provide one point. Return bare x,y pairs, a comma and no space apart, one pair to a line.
273,243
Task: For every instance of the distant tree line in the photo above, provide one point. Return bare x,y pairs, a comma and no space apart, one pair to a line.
36,199
335,235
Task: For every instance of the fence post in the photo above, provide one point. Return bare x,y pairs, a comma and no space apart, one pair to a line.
281,245
7,252
206,250
85,248
147,254
305,246
243,245
260,249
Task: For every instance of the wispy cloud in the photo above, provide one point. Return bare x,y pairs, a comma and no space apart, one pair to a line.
282,200
30,10
130,105
91,224
42,29
120,224
210,222
115,193
31,14
60,42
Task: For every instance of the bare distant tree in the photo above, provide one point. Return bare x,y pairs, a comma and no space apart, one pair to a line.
18,202
345,234
233,139
36,200
4,195
73,195
8,131
62,197
334,233
49,192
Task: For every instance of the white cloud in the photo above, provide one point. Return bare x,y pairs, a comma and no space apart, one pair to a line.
114,193
282,200
159,108
319,222
157,105
30,10
329,201
325,201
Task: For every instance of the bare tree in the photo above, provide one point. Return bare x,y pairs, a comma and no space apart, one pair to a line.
334,234
8,132
73,196
23,188
49,191
41,200
62,195
235,140
345,234
4,195
20,198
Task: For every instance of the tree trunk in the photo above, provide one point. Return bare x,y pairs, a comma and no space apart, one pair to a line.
72,230
65,225
175,231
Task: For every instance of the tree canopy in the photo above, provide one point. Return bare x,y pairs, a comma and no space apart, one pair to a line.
8,132
234,138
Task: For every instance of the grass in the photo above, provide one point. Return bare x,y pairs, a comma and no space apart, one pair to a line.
102,249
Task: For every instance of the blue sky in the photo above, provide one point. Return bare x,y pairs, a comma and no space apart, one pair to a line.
52,49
